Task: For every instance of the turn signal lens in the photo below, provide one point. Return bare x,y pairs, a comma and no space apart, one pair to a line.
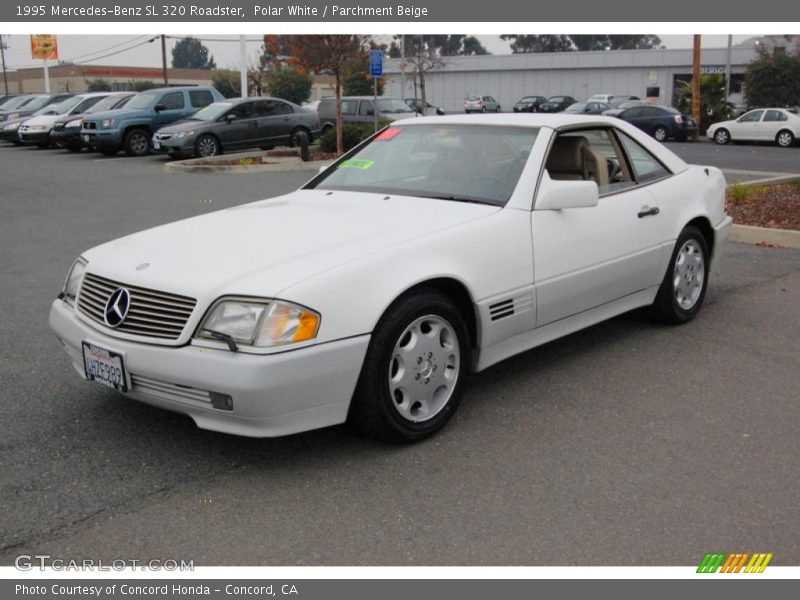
287,323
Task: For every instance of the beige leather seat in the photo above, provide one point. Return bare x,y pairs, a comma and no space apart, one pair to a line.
573,158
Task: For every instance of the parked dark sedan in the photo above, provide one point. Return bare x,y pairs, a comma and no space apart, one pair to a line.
556,104
529,104
66,132
586,108
427,108
662,122
238,124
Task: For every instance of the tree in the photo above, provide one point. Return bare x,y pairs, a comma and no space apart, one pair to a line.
190,53
471,46
714,106
98,85
567,43
357,80
773,79
227,83
328,54
422,55
525,44
141,85
288,83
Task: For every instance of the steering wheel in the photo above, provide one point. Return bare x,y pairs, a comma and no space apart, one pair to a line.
614,171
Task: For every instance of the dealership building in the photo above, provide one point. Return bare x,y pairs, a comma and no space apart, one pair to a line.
507,78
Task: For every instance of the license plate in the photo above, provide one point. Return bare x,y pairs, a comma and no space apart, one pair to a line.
104,367
156,145
85,137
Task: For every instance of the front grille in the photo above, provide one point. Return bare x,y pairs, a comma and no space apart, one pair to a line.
90,124
151,313
163,136
164,390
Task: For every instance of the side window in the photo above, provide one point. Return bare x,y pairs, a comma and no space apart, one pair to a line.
645,166
775,115
365,108
633,113
650,111
590,155
243,110
348,107
751,117
281,108
172,101
200,98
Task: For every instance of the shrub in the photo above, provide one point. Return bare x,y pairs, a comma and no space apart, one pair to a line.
352,135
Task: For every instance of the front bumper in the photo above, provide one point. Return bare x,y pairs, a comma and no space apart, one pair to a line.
66,136
101,138
34,137
273,395
9,135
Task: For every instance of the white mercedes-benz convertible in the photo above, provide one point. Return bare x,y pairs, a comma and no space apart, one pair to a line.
437,248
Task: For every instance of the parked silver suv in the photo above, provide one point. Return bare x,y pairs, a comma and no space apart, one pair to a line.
360,109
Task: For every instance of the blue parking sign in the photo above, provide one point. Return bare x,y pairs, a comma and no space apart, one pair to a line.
376,63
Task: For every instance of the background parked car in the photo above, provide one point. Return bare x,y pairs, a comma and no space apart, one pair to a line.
66,132
529,104
32,104
622,106
480,104
9,130
739,105
6,99
556,104
618,99
662,122
427,108
360,109
587,108
36,130
131,128
776,125
238,124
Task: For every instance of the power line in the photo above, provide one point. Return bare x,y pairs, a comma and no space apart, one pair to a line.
93,58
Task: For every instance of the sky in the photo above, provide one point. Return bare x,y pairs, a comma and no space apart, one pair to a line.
136,51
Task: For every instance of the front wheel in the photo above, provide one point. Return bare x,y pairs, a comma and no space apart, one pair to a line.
413,375
684,286
722,137
660,133
785,138
205,146
137,143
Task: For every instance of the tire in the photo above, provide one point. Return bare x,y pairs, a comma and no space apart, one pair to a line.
683,289
298,137
483,110
497,110
660,133
420,340
137,143
722,136
785,138
206,145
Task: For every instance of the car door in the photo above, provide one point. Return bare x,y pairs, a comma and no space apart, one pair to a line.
366,112
747,126
241,131
274,121
586,257
772,123
169,108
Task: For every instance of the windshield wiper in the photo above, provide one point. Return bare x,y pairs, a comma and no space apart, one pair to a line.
459,199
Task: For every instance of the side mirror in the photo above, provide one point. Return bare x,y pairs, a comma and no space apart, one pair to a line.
560,194
160,107
230,117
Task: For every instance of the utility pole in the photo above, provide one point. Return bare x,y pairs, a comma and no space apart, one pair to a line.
728,69
243,65
164,58
3,55
696,79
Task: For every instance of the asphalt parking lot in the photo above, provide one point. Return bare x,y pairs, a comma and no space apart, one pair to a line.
625,444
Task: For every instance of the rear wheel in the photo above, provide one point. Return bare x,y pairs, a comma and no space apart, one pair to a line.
137,143
785,138
413,375
684,286
660,133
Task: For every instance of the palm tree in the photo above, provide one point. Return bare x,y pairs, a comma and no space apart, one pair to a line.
714,106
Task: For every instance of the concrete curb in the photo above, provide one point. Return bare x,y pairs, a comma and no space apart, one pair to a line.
275,164
775,178
748,234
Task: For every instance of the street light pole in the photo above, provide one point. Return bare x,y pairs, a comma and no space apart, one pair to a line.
164,58
3,55
696,79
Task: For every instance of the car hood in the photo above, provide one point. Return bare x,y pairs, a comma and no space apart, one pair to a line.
43,120
186,125
264,247
122,113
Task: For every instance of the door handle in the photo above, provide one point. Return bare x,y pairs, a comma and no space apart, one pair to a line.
647,212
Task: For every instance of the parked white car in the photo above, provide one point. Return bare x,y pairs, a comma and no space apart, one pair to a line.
440,247
760,125
36,130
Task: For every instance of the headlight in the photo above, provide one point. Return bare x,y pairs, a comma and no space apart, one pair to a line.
184,134
75,123
73,281
260,324
108,122
12,126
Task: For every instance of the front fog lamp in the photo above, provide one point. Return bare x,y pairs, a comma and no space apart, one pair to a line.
260,324
73,281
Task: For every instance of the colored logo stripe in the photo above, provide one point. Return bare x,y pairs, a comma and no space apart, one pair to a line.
734,562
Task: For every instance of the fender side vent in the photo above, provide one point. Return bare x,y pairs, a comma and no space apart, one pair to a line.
502,309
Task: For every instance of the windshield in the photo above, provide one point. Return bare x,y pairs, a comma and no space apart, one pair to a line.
630,104
212,112
36,103
141,101
529,99
65,106
473,98
577,107
387,105
17,102
468,163
106,103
